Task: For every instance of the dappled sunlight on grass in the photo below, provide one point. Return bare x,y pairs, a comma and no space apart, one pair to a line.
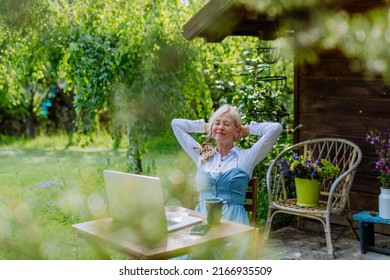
22,237
47,188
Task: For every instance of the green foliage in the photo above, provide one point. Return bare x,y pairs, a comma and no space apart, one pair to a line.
246,80
365,41
329,170
29,68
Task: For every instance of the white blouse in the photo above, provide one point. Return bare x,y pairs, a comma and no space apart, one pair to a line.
246,159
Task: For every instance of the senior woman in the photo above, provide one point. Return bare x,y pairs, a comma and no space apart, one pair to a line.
225,170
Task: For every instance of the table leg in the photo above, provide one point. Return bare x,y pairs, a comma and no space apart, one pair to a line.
367,237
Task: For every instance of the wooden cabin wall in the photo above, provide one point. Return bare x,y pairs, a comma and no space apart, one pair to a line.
333,101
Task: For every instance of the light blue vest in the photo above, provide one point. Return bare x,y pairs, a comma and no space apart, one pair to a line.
231,186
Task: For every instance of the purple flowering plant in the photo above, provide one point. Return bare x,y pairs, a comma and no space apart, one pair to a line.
381,142
299,166
310,168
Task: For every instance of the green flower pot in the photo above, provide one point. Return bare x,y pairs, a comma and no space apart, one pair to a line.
308,192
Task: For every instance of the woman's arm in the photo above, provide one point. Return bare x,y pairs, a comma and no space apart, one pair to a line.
269,133
182,129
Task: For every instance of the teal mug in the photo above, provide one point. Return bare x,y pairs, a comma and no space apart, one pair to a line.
214,206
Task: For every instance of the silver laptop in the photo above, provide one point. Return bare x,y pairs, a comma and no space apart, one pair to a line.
137,202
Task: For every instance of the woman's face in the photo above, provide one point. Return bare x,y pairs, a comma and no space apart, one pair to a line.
224,128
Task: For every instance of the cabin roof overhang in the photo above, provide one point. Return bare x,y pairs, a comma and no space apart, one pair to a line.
219,19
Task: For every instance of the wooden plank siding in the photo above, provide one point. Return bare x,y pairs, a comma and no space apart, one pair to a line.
333,101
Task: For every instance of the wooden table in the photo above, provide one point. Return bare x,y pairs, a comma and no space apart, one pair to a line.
99,234
367,235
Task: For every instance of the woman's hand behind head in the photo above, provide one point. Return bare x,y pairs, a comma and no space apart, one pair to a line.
243,131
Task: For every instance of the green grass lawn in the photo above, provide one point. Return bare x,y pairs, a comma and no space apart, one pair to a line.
46,187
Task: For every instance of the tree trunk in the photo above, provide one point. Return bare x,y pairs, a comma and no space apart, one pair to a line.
134,154
30,120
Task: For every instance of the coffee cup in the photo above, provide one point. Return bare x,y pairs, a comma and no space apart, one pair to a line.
214,206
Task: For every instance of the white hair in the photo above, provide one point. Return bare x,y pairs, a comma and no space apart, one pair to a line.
231,110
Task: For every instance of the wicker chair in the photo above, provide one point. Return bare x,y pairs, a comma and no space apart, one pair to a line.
334,194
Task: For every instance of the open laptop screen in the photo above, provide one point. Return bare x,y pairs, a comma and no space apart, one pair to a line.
137,202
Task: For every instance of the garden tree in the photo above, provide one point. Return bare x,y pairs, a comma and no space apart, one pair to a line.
138,66
27,72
